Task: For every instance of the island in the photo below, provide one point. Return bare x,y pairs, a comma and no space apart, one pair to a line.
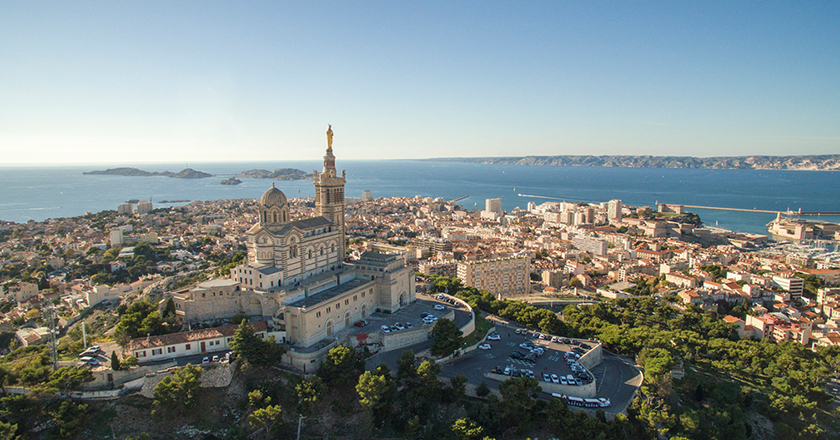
825,162
187,173
278,174
231,181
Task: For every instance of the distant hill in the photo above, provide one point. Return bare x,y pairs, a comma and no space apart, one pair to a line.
827,162
187,173
278,174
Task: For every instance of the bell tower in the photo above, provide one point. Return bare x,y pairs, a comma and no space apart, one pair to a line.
329,193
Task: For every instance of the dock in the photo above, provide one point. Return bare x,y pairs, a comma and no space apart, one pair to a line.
764,211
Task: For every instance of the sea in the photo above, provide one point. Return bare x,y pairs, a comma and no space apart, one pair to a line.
39,192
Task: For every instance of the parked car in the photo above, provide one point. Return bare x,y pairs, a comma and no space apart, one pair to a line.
361,323
517,355
555,339
206,360
440,307
519,331
555,379
484,346
408,325
563,381
507,371
585,346
215,358
546,377
493,337
399,326
529,373
385,329
89,360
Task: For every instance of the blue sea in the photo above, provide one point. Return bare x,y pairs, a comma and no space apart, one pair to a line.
38,193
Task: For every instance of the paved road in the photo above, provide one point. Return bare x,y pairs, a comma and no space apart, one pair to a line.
618,380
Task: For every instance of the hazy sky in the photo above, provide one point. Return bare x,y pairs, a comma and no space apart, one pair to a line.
126,82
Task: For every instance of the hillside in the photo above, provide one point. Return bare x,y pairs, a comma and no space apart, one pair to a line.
828,162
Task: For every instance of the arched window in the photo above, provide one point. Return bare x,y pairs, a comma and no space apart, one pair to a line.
328,196
275,217
332,248
329,328
310,254
321,251
347,319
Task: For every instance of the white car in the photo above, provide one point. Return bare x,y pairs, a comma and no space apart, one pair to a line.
485,346
206,360
439,307
399,326
494,337
385,329
555,379
563,381
89,360
546,377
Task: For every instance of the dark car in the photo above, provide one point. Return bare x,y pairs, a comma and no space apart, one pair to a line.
578,350
517,355
566,341
585,346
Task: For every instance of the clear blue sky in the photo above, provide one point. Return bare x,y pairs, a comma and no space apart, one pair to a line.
127,82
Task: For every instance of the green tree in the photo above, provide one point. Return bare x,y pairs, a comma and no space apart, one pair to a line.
8,431
115,361
406,371
70,418
248,345
376,394
448,338
518,401
310,391
341,365
179,390
482,390
466,429
128,362
64,379
266,418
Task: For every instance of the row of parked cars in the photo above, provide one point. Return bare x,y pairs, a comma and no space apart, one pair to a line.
557,339
396,327
89,356
446,299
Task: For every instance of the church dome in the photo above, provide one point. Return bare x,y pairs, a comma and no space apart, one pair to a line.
273,197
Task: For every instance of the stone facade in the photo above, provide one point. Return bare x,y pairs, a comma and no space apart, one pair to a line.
295,275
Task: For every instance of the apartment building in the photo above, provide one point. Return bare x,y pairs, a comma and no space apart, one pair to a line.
502,277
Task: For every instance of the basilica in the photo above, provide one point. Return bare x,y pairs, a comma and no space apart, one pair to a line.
295,275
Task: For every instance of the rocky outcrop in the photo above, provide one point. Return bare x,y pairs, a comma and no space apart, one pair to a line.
278,174
187,173
827,162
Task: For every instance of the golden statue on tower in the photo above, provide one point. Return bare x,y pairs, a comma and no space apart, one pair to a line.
329,137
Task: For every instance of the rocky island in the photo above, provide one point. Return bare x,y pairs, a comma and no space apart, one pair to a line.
231,181
278,174
826,162
187,173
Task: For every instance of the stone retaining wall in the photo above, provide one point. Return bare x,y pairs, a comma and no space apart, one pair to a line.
586,391
593,357
214,375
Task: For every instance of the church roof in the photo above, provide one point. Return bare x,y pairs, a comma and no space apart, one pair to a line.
273,197
285,228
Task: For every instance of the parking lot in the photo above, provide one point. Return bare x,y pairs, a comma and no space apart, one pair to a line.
413,315
615,378
520,352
